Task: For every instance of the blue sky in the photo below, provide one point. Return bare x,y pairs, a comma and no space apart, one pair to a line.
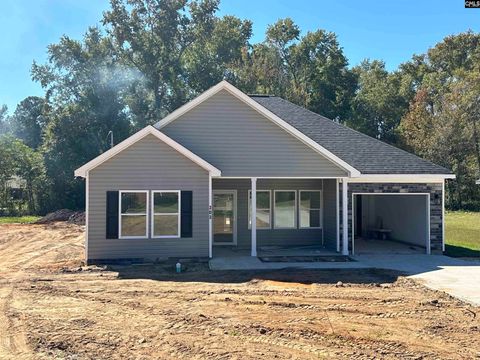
387,30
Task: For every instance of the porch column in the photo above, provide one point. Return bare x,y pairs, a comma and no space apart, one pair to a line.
254,216
210,214
337,213
443,216
345,216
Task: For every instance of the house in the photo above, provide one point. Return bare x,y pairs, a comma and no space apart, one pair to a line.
187,186
16,186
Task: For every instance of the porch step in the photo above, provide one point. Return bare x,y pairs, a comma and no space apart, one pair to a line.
303,259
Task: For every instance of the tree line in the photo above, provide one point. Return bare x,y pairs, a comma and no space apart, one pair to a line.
149,57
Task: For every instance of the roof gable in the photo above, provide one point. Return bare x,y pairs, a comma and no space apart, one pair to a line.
224,85
232,136
83,170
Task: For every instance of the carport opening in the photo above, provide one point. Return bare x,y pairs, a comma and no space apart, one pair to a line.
390,223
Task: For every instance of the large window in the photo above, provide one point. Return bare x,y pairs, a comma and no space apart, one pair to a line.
285,209
264,206
310,209
165,214
133,214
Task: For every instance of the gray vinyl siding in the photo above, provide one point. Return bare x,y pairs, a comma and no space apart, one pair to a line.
241,142
148,164
329,213
270,237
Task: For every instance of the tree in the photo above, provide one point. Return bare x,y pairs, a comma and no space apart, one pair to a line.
28,121
4,120
327,85
441,65
460,110
310,71
446,132
378,105
85,88
216,52
280,43
179,46
442,122
7,167
19,161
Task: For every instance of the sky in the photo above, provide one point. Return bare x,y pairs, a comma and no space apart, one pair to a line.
388,30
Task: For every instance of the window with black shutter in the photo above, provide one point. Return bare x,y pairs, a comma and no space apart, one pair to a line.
186,214
112,215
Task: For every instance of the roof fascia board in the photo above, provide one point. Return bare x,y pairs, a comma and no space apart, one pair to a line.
149,130
389,178
377,178
224,85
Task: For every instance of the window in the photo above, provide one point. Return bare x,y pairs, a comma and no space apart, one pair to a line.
310,209
165,214
263,209
133,214
285,209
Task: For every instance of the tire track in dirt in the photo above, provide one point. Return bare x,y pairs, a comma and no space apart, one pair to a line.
13,341
18,250
186,324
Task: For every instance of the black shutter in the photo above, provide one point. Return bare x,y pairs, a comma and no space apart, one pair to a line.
112,214
186,217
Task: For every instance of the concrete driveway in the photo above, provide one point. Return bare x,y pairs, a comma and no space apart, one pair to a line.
456,277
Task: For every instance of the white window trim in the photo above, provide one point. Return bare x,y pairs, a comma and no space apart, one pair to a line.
120,192
250,209
152,223
299,209
295,226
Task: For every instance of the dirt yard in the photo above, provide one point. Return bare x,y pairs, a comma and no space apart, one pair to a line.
53,308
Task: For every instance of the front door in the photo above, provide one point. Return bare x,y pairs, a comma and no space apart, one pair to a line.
224,217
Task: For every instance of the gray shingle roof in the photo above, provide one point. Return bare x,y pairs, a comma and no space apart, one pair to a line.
366,154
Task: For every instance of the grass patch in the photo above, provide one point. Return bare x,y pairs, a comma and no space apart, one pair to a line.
18,219
462,233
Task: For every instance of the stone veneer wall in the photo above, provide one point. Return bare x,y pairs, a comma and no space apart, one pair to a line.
435,191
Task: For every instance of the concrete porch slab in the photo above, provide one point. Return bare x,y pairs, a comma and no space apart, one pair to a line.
231,258
269,251
254,263
376,246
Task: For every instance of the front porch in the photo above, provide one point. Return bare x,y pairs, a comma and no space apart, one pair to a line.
271,251
232,258
294,217
305,217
